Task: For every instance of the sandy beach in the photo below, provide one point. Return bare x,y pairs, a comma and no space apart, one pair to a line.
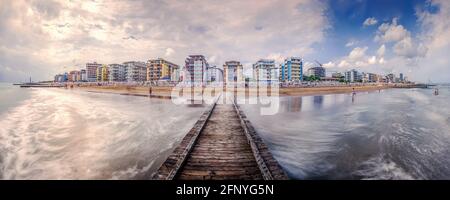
285,91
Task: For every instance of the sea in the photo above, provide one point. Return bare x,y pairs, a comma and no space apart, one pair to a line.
54,133
384,135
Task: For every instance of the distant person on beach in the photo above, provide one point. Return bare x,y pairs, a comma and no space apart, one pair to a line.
150,90
436,91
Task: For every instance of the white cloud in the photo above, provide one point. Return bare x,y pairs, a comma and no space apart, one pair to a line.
381,51
370,21
435,65
351,43
169,52
372,60
329,65
405,46
357,53
391,32
58,34
408,49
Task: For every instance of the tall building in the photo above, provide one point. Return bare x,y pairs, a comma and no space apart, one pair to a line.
213,74
135,71
160,69
91,71
83,75
195,69
291,69
352,76
401,77
390,78
103,73
117,73
233,71
59,78
369,77
265,70
317,71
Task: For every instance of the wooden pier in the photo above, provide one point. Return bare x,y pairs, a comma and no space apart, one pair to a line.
222,145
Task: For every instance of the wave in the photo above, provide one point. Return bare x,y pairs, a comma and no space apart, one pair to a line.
61,134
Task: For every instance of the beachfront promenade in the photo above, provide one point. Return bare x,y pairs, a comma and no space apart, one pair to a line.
222,145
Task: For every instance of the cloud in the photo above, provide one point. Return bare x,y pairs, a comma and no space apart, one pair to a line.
404,44
357,53
169,52
55,33
370,21
408,49
351,43
329,65
391,32
381,51
435,65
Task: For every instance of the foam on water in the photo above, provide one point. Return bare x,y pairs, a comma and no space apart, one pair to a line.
61,134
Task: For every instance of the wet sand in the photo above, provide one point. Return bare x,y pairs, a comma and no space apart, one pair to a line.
288,91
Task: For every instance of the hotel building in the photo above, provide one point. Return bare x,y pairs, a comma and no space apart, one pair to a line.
233,71
135,71
317,71
103,73
291,69
83,75
352,76
117,73
91,71
265,70
160,69
195,69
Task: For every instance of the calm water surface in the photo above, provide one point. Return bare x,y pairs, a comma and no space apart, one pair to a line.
394,134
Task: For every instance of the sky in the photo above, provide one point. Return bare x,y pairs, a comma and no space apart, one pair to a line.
39,38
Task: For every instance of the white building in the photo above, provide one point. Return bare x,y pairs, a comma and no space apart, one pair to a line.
91,71
352,76
265,70
135,71
291,69
195,69
83,75
233,72
117,73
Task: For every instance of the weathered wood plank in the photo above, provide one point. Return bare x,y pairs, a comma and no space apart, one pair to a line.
222,145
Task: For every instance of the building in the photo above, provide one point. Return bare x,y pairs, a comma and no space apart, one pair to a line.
352,76
160,69
135,71
117,73
91,71
103,73
175,76
195,69
317,71
401,77
233,71
83,75
265,70
214,74
291,69
390,78
60,78
369,77
337,75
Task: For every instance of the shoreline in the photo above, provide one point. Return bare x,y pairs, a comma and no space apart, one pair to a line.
166,91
